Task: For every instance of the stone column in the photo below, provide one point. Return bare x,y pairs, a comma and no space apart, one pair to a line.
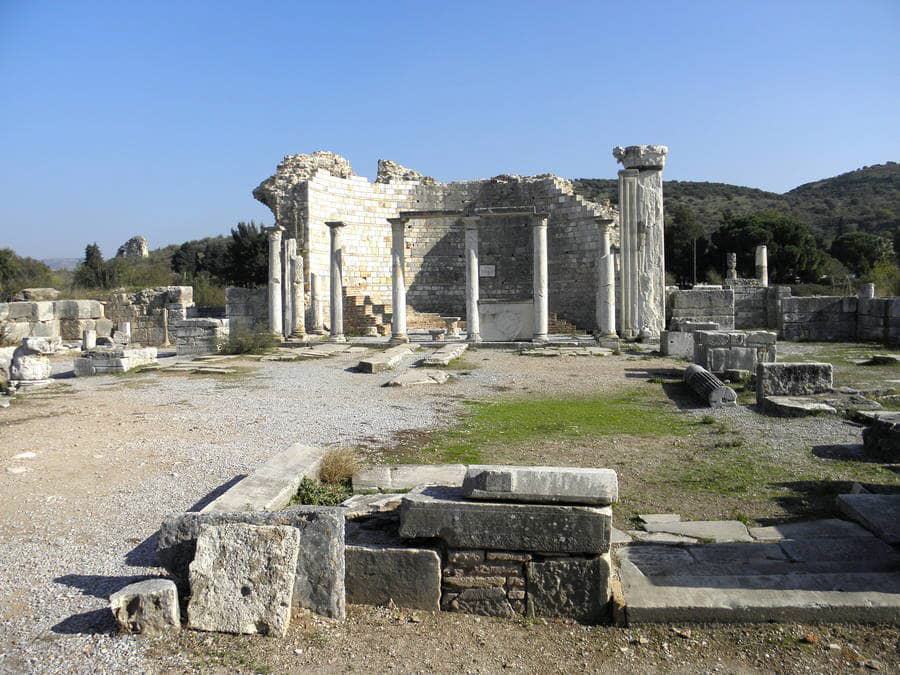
606,283
867,292
298,319
316,290
398,280
762,264
539,279
646,237
88,339
289,251
629,251
275,325
473,327
337,281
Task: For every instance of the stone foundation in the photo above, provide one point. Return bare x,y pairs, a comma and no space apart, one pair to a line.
718,351
200,336
105,361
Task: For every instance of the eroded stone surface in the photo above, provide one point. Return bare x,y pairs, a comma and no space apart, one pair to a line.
242,579
792,379
875,512
398,477
795,406
406,577
713,530
149,607
541,484
572,588
419,376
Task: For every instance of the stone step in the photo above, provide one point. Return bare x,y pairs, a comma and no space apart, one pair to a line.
386,360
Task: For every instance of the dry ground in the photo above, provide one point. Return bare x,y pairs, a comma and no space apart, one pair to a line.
114,454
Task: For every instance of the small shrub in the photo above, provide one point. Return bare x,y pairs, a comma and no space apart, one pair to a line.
707,419
313,493
338,466
248,342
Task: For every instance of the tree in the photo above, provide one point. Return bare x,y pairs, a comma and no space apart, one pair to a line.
247,256
793,251
860,251
10,270
92,272
17,273
685,243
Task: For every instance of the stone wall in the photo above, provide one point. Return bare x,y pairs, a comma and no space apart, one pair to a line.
200,336
718,351
750,303
304,194
704,304
65,319
145,311
246,308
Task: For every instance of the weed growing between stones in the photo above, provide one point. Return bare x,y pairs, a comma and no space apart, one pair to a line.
338,466
246,342
313,493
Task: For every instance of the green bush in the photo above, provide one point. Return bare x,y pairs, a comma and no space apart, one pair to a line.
314,493
248,342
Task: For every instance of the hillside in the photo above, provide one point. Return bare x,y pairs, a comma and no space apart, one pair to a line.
867,199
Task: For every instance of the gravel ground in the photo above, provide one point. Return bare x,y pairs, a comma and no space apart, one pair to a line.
113,455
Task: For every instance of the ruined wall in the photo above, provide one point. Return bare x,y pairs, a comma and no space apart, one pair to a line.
833,318
304,195
750,308
712,304
145,310
66,319
246,308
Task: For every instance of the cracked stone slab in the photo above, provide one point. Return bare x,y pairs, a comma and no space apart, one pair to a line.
385,360
661,537
414,377
876,512
541,484
795,406
827,528
659,518
446,354
718,531
397,477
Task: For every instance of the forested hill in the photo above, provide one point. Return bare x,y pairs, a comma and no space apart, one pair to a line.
867,199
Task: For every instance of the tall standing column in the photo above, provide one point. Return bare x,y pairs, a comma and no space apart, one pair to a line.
289,251
540,281
762,264
629,246
644,163
337,281
275,324
606,283
316,291
298,319
473,324
398,280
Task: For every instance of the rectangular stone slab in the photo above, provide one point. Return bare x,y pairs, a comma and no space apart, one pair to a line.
541,484
570,588
386,360
406,577
719,531
397,477
319,582
445,354
442,512
878,513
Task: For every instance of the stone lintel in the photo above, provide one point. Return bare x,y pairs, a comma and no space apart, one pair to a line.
432,213
444,513
641,156
506,211
542,484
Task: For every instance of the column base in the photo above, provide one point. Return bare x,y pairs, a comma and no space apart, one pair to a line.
337,338
399,339
317,331
473,338
540,338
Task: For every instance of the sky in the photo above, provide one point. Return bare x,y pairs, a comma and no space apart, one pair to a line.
158,118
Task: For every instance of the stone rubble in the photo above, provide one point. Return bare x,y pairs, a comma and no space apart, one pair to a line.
148,607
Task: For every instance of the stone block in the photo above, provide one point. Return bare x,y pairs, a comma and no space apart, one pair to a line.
73,329
676,344
242,579
4,311
792,379
570,588
762,337
541,484
44,311
718,531
386,360
484,601
78,309
445,513
149,607
382,575
319,582
45,328
21,311
879,513
104,327
795,406
414,377
41,345
29,368
402,477
881,439
505,321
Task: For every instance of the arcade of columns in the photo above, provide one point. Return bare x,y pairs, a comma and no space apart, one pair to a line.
641,268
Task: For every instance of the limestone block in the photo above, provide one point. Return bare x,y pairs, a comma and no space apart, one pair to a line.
400,477
541,484
104,327
4,311
15,331
30,368
445,513
21,310
41,345
792,379
382,575
677,344
484,601
506,321
78,309
879,513
571,588
45,328
881,439
795,406
73,329
84,367
386,360
149,607
242,579
43,311
319,582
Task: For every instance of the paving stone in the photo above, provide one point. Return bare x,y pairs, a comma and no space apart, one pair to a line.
443,512
737,552
848,550
795,406
396,477
242,579
619,537
319,581
385,360
541,484
406,577
445,354
659,518
571,588
714,530
414,377
661,537
876,512
362,505
271,486
829,528
149,607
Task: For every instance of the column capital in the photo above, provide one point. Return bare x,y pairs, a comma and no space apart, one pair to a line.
540,219
275,233
603,222
399,220
471,222
641,156
335,223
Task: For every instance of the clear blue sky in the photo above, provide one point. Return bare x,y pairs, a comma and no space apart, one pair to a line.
158,118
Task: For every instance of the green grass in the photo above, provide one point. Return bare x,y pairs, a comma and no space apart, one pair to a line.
520,420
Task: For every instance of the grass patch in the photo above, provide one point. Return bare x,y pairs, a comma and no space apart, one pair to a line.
313,493
638,412
338,466
461,363
246,342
